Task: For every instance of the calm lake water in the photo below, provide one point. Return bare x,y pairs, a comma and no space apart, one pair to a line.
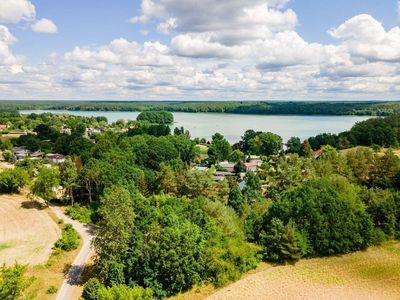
232,126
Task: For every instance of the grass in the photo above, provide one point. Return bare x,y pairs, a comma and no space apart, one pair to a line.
375,271
5,246
52,273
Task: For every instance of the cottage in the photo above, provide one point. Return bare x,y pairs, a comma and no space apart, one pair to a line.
228,166
94,130
3,126
250,166
36,155
21,153
56,158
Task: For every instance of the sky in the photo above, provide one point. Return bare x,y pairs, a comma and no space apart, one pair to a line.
200,50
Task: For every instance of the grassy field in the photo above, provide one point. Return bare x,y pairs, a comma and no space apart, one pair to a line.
370,274
27,233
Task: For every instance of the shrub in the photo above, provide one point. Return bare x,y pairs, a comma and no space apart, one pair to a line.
12,180
13,282
80,213
69,239
52,290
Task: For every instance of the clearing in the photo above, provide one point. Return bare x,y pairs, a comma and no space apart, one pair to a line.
27,234
370,274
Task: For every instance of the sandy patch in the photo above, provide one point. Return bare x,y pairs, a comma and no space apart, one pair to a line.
27,235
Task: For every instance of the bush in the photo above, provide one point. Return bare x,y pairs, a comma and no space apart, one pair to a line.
80,213
69,239
52,290
12,180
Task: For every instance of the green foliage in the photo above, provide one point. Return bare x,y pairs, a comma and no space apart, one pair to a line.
69,239
157,117
294,145
336,219
81,213
13,282
220,149
52,290
283,242
47,179
266,143
91,289
13,180
8,155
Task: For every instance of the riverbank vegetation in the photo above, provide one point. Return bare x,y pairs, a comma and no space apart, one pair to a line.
168,219
368,108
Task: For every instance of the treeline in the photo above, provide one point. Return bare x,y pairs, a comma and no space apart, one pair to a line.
242,107
375,132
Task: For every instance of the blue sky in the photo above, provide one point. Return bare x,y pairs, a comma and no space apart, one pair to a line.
190,49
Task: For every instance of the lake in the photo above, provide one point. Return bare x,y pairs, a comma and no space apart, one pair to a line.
232,126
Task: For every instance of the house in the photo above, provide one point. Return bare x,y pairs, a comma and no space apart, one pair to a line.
228,166
36,155
55,158
94,130
3,126
66,131
251,166
200,168
219,176
317,154
21,153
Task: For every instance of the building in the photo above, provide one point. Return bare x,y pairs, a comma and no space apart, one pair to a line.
3,126
21,153
94,130
317,154
200,168
219,176
55,158
36,155
251,166
228,166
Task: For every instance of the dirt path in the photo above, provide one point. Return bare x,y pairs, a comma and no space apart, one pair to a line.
27,234
86,232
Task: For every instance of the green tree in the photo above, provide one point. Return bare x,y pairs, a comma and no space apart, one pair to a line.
235,197
13,180
305,149
220,149
69,178
266,143
293,145
13,282
114,230
236,156
47,180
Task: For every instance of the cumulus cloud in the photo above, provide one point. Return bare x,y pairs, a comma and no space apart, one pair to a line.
14,11
248,49
365,37
44,26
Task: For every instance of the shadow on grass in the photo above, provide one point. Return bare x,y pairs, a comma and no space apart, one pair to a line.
33,205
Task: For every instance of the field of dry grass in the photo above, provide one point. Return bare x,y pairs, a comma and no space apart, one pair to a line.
27,234
371,274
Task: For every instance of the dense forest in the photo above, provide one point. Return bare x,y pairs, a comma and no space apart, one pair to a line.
243,107
164,226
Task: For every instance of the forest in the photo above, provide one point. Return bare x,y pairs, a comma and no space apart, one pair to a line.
164,226
367,108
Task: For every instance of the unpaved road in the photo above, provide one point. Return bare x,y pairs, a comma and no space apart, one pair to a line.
27,234
86,232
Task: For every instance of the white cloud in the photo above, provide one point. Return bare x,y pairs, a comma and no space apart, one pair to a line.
14,11
364,37
44,26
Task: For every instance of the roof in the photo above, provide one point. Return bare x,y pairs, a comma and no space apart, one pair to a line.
55,156
317,153
250,164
